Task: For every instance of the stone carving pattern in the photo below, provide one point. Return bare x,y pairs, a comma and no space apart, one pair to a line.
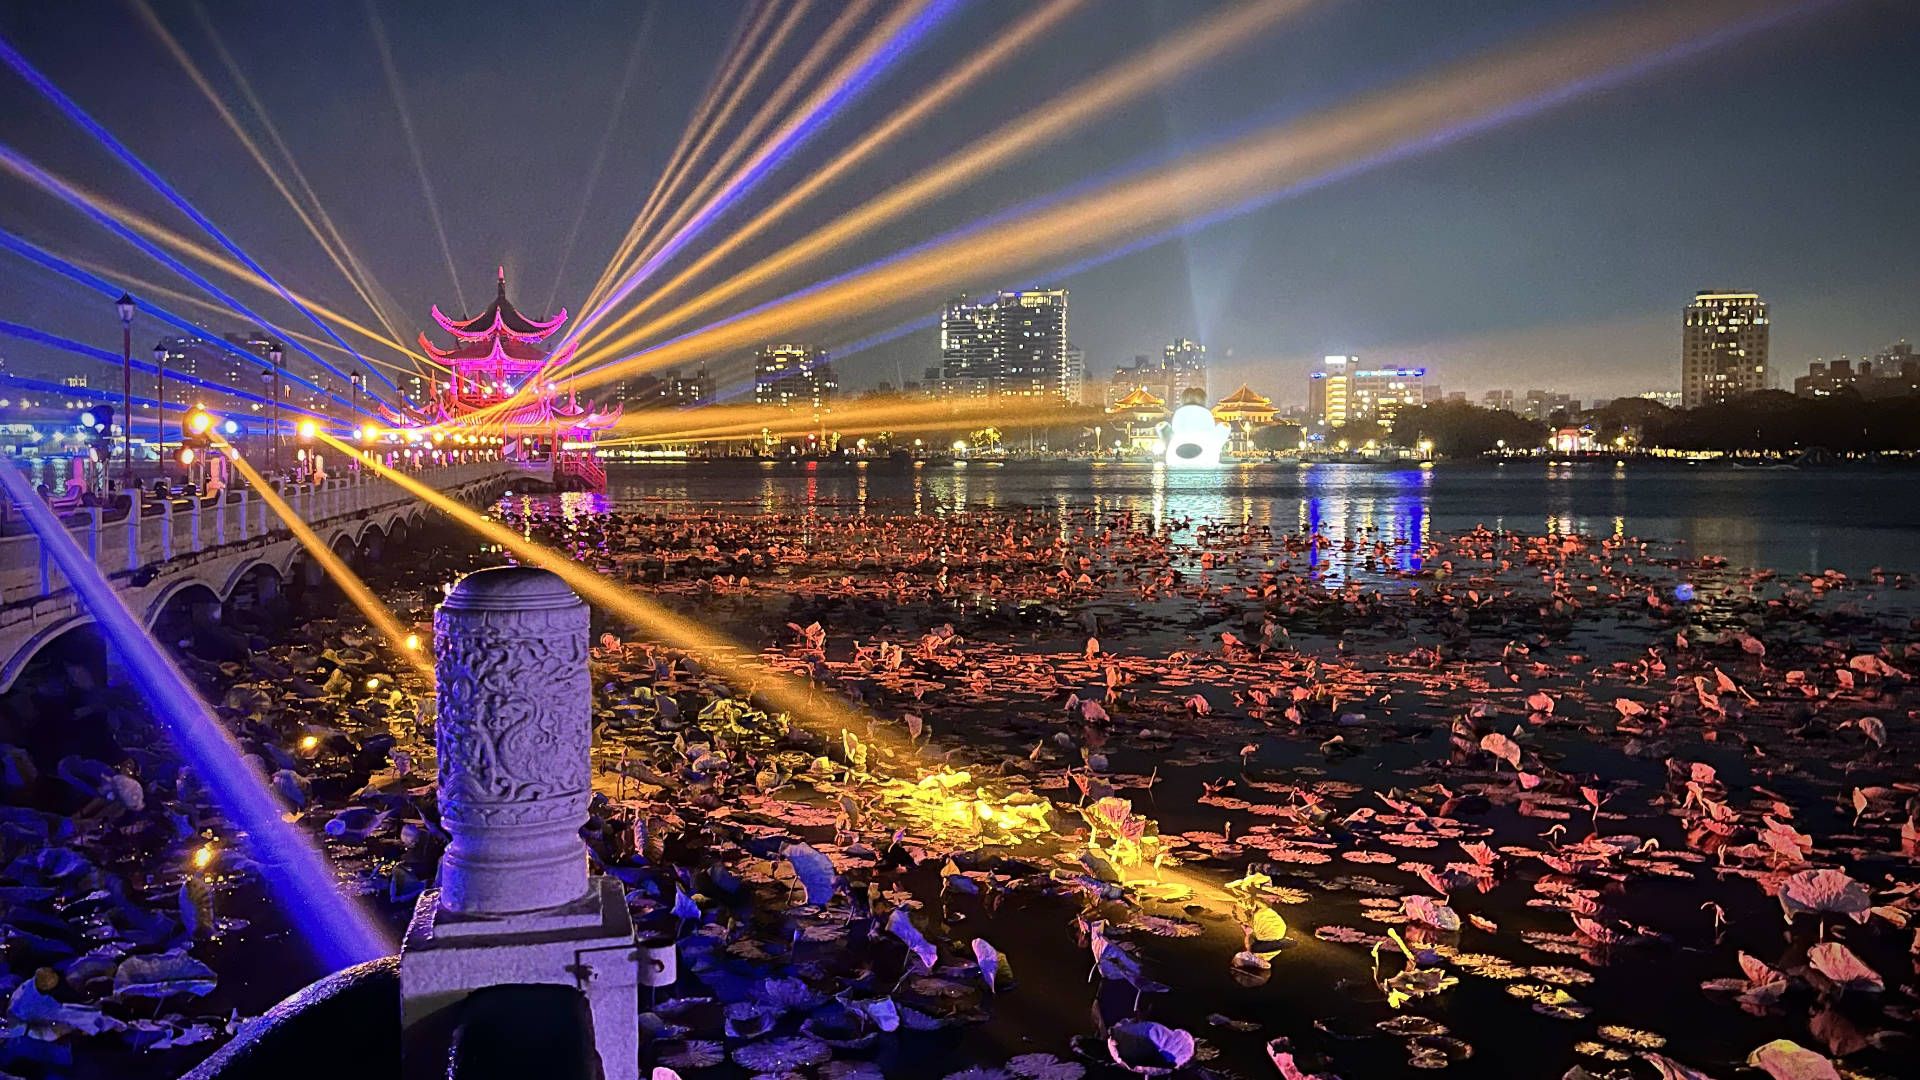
514,715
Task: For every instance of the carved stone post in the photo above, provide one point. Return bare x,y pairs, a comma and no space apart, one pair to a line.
510,648
515,903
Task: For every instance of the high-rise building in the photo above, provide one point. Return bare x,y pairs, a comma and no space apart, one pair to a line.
191,360
1073,375
1186,365
1541,404
1329,390
968,360
1723,347
1032,343
236,370
668,390
1343,392
1014,345
798,376
1498,399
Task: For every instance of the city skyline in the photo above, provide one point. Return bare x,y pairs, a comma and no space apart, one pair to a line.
1550,270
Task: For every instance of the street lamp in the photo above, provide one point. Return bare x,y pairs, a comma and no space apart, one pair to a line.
358,380
160,400
274,355
125,306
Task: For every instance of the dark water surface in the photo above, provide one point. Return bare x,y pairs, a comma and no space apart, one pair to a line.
1792,520
1321,993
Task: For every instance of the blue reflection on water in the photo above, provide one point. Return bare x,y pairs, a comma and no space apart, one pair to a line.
1851,519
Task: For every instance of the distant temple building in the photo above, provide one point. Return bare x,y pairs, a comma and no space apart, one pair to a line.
497,355
1136,419
1181,366
1243,411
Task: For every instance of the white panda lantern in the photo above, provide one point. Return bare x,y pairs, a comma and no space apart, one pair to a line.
1194,438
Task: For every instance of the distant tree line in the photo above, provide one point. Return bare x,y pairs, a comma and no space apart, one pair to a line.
1771,421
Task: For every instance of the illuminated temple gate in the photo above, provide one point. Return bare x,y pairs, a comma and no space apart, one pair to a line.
497,354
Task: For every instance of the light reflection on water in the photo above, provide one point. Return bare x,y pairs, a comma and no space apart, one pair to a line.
1850,519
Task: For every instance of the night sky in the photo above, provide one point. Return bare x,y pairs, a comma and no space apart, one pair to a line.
1555,252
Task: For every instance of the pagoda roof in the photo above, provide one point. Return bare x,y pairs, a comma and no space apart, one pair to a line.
1140,398
1246,396
500,319
502,351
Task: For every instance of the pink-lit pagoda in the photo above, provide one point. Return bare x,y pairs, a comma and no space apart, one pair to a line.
497,354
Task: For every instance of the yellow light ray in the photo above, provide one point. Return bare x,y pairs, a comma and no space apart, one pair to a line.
722,653
1462,98
642,38
709,113
380,299
845,432
384,49
146,13
668,188
148,287
167,238
801,74
378,615
1120,84
822,712
877,415
1004,46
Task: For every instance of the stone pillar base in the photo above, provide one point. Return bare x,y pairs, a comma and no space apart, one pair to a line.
588,944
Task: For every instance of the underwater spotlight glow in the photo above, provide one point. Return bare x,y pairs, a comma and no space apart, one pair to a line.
296,874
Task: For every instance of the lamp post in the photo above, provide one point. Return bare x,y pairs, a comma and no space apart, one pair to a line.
358,380
125,305
271,379
160,402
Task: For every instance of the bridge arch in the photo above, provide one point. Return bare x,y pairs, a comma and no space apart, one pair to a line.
30,649
176,591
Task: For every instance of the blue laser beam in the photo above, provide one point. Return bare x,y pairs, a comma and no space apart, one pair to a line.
27,249
771,156
120,150
295,872
108,222
78,348
1493,118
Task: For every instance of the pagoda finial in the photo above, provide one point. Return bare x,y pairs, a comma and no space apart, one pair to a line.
503,283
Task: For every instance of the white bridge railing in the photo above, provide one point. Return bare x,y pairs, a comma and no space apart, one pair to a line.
168,529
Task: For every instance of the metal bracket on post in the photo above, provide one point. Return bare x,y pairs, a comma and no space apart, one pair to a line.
516,904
